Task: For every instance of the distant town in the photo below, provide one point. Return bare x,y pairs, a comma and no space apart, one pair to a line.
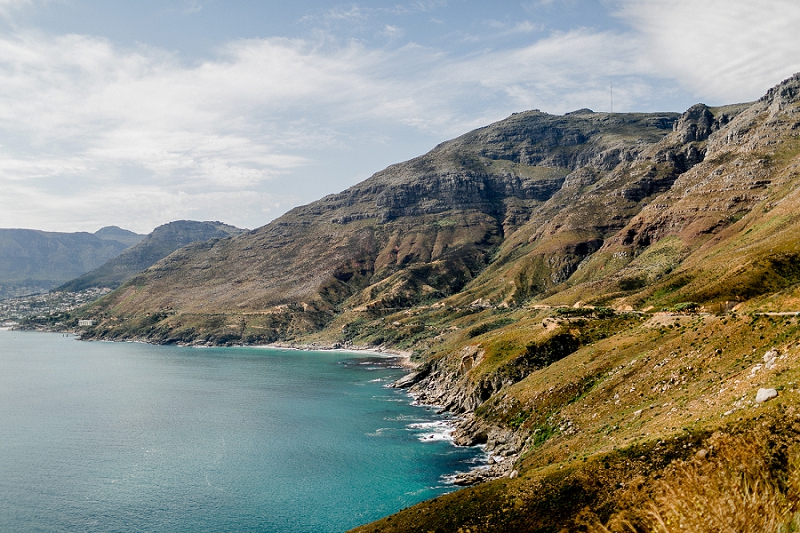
45,307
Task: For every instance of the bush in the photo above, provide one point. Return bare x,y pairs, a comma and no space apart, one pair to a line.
597,312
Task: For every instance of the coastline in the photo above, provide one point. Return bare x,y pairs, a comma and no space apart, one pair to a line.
403,357
488,468
352,396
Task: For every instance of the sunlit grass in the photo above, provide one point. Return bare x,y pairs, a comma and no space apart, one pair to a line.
740,484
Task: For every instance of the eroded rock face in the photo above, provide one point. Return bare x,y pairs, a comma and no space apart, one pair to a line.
440,193
696,124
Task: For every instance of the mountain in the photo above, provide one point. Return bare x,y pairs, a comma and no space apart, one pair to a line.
145,252
115,233
610,303
33,261
416,232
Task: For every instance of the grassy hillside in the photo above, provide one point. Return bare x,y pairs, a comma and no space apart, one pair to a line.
604,300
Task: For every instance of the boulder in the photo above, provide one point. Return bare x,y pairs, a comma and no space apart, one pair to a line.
764,395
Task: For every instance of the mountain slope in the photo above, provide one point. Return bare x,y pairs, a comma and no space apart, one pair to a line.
604,300
415,232
161,242
590,410
35,261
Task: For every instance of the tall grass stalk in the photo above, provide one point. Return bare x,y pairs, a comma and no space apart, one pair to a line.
743,485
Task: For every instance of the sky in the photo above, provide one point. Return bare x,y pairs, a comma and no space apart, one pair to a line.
140,113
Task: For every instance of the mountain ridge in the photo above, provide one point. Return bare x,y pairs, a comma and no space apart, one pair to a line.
148,250
34,261
596,296
372,230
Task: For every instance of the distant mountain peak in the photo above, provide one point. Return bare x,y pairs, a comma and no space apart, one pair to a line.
116,233
150,249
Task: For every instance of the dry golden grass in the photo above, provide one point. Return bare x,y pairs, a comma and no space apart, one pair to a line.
743,485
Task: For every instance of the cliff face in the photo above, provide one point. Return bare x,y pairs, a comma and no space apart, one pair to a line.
592,294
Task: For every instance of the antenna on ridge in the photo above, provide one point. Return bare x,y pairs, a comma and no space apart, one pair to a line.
611,92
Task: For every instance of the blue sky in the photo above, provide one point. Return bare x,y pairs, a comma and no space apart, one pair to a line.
139,113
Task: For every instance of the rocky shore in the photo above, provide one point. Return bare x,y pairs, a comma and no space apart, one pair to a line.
437,385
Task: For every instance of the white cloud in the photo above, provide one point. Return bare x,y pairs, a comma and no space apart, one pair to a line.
725,50
9,6
140,125
557,73
147,108
92,134
353,13
516,28
192,6
153,203
393,32
419,6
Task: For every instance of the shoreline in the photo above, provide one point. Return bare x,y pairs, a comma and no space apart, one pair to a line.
403,357
384,416
480,471
485,469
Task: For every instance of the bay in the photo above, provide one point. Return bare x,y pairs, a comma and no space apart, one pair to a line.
131,437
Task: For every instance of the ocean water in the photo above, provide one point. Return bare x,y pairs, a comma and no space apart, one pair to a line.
129,437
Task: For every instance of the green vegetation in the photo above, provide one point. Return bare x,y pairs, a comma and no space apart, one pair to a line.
598,297
596,312
684,307
486,327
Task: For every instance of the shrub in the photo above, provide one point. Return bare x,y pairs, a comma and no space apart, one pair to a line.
685,307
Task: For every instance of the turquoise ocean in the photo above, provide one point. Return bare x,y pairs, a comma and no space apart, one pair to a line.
128,437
